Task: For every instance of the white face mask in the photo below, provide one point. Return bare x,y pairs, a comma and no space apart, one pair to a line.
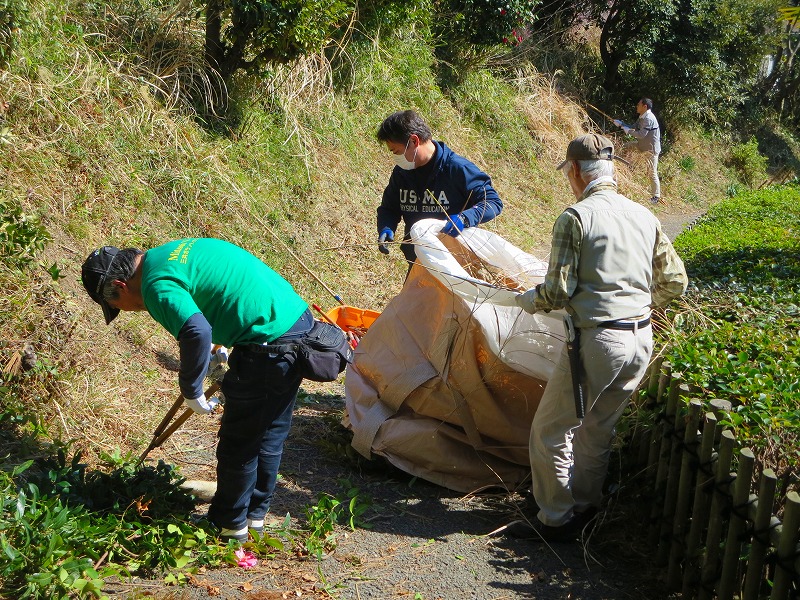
402,162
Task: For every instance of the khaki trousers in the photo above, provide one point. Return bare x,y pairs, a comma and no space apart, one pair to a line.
569,456
651,163
651,160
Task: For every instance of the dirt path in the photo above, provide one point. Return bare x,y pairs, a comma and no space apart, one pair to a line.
423,542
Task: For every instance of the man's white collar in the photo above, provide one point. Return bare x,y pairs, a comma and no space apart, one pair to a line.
598,181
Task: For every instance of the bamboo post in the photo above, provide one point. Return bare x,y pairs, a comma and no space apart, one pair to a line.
657,431
702,500
645,444
673,474
654,377
664,377
688,464
654,444
668,432
736,526
721,490
761,529
720,409
787,547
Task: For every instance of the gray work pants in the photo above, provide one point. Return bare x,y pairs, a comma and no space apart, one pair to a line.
569,456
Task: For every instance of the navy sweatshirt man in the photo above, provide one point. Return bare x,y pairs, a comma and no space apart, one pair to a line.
430,181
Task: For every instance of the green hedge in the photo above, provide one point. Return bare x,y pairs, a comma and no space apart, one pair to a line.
738,337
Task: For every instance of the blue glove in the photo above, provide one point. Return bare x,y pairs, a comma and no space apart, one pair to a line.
617,122
386,235
454,226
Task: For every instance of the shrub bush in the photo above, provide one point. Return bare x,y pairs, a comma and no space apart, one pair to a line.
750,166
13,16
21,235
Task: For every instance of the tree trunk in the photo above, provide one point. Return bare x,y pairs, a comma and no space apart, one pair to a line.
214,49
612,57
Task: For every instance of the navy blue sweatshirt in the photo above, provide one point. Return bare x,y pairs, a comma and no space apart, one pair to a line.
447,184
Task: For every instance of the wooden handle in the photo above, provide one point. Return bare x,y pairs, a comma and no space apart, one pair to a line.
161,434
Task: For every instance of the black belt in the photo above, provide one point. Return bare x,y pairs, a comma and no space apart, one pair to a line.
277,346
625,325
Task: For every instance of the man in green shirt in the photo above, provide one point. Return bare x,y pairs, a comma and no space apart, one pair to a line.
204,292
610,265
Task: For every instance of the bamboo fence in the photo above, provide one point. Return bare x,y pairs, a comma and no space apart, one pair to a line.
714,537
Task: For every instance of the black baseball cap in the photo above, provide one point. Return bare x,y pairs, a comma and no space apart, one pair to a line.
94,273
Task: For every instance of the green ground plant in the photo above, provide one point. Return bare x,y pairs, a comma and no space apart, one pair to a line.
346,508
738,337
22,235
65,529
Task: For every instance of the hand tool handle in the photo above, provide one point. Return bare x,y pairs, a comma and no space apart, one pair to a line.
161,436
574,353
168,417
324,316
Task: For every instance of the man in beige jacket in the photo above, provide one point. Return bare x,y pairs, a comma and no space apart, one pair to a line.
610,264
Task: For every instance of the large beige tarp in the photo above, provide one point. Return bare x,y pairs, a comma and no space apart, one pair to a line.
446,381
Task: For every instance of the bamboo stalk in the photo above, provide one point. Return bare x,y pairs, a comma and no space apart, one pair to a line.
684,490
702,501
736,525
715,522
760,543
656,439
657,509
654,381
787,547
671,491
644,445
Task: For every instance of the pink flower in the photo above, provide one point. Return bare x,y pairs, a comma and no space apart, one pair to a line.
502,11
245,559
505,40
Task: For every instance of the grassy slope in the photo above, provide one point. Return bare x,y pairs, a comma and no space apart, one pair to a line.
103,161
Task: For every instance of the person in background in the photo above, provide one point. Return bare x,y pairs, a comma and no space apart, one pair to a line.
430,181
205,291
610,265
648,141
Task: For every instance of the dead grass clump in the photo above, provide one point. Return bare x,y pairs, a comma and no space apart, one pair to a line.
553,120
163,50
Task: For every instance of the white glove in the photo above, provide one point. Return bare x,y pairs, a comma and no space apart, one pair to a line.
200,405
627,129
525,300
220,357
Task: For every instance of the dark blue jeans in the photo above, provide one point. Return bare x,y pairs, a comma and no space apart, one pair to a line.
260,389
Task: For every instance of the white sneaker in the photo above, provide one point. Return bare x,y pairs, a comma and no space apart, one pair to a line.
240,535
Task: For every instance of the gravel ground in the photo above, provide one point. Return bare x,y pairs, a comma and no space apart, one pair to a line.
421,541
